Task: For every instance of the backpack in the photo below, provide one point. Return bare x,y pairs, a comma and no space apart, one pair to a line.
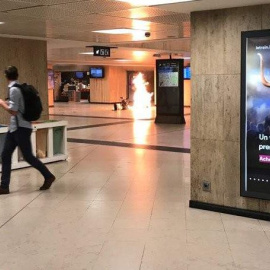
32,102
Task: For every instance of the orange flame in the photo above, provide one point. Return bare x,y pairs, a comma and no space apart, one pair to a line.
142,98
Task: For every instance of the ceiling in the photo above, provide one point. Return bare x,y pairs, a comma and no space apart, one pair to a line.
211,4
68,26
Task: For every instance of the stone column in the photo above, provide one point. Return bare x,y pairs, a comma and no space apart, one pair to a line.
30,57
216,91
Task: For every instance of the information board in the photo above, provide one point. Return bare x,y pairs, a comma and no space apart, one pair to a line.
170,91
255,115
168,74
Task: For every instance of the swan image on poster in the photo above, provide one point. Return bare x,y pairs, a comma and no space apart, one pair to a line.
262,70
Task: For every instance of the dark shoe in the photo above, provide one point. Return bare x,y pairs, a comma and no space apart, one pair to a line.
4,191
47,183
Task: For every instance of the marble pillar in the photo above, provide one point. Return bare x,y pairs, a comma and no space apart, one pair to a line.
215,127
30,57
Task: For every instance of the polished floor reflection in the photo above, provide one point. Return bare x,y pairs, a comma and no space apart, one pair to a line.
121,208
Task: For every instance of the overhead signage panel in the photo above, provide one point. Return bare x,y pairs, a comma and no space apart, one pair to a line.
102,51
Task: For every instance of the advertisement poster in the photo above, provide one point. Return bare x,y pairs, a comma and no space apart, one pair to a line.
50,79
255,141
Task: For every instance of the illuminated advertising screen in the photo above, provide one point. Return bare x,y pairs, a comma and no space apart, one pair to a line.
255,115
97,72
168,74
50,79
187,73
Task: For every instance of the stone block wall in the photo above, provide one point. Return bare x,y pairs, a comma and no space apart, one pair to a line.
216,91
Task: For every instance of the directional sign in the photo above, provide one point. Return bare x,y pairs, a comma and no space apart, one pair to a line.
102,51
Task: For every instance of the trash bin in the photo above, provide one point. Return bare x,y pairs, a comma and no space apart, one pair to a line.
77,96
71,95
58,136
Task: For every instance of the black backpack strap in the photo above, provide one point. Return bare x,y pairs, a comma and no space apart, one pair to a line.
16,116
17,121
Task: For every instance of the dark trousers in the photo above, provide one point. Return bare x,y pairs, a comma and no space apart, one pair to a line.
21,138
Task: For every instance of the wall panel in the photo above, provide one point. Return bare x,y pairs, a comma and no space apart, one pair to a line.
111,88
187,92
30,57
216,91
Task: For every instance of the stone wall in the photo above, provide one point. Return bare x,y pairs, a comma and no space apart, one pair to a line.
30,57
215,128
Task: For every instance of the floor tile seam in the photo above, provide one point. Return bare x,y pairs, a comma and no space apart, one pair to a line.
132,145
98,254
186,230
98,125
112,118
73,168
103,246
259,221
154,134
140,268
103,117
100,189
228,242
17,213
154,201
120,208
90,263
265,233
148,136
108,233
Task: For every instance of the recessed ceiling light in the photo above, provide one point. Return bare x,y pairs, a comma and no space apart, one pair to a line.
120,31
154,2
2,22
88,53
122,60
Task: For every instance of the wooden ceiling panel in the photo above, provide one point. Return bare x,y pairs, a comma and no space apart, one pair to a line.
77,19
101,6
173,19
140,13
6,5
46,2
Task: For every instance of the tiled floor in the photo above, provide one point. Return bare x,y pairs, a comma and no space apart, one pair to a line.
115,208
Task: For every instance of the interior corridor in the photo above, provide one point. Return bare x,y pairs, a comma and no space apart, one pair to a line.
120,202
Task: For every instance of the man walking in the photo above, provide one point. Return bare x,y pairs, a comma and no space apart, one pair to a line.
19,134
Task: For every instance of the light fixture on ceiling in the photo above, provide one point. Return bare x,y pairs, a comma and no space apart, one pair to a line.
87,53
122,60
2,22
120,31
154,2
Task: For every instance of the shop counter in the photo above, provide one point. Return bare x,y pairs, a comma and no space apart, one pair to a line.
85,93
